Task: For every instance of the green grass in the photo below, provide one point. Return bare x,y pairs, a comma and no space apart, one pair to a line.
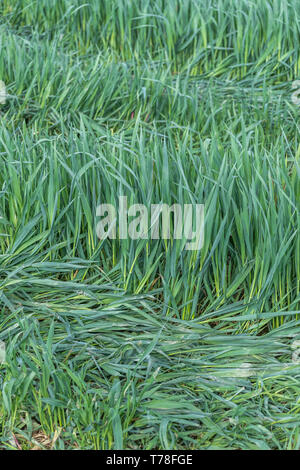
140,344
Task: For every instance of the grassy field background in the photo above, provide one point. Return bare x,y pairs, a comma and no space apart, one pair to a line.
141,344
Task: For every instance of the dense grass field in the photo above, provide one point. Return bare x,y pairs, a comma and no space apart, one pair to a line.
141,344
